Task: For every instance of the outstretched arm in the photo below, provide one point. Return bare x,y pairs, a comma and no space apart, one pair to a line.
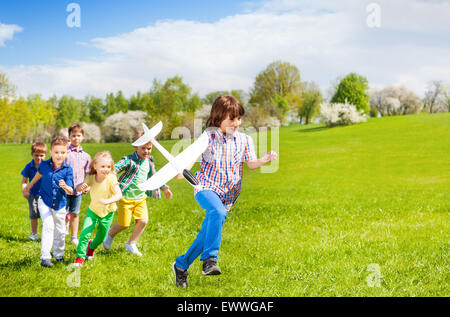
65,187
117,196
28,187
180,176
24,184
83,188
269,157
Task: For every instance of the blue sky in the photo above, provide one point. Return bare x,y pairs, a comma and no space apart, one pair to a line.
47,39
219,45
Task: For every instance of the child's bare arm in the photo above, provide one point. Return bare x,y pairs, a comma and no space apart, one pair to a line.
28,187
67,189
83,188
117,196
24,184
167,192
269,157
180,176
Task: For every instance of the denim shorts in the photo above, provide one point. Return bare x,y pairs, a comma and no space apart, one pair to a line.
33,206
73,204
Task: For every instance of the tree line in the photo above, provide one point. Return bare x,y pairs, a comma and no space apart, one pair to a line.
278,96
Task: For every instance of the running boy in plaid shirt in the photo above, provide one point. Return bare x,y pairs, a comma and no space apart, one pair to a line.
79,160
138,167
220,178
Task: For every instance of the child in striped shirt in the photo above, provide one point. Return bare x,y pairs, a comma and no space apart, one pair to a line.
220,178
79,160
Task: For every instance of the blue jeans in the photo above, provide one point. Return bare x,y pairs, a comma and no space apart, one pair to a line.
73,204
208,239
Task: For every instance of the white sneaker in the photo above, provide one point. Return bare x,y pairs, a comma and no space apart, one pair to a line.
33,237
132,249
74,241
108,242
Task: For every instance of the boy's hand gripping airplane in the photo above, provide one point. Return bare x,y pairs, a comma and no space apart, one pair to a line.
176,164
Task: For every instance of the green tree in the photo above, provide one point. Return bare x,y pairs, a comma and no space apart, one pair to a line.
136,102
69,111
20,121
110,105
95,107
7,89
42,117
312,99
280,79
353,89
169,103
238,93
121,102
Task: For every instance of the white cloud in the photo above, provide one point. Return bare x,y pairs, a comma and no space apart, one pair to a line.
324,41
7,32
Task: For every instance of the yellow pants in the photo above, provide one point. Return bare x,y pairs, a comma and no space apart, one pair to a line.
131,207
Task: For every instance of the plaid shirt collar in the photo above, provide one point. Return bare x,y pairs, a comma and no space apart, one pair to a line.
225,136
74,149
135,157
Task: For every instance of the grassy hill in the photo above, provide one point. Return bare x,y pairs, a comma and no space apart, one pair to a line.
361,210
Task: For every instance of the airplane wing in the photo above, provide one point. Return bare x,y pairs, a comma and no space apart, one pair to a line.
148,134
178,164
191,153
161,177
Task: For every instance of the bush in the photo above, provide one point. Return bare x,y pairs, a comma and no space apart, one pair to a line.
256,117
122,127
92,133
353,89
392,100
333,114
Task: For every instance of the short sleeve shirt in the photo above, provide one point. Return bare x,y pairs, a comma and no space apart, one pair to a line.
54,196
133,191
102,190
29,172
222,164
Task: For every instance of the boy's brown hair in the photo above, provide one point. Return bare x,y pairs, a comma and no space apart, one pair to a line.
138,134
38,147
75,128
59,140
223,107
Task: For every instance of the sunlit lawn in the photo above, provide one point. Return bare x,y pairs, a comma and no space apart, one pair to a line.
361,210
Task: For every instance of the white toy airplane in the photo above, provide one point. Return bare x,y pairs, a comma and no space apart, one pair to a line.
176,164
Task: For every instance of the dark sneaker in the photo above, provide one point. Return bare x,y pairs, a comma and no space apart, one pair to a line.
46,263
60,260
180,276
210,267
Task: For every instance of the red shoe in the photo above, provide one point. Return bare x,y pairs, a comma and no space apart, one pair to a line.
90,252
79,261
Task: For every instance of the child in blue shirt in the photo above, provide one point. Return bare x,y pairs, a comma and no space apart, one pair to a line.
38,152
56,184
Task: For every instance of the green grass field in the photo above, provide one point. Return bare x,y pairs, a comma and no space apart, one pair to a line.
347,205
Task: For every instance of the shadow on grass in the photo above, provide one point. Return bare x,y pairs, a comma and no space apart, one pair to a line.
16,239
315,129
110,253
18,264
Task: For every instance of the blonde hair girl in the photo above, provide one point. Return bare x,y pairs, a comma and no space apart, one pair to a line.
104,190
